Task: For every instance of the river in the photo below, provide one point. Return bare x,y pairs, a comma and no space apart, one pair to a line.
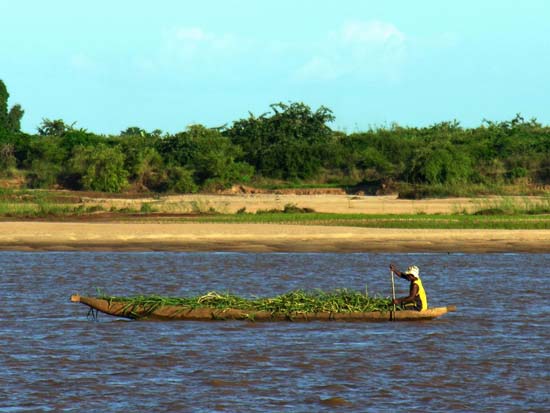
492,355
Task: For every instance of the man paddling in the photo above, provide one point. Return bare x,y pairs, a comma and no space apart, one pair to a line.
416,300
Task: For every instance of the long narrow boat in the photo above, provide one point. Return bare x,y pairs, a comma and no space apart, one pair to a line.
172,312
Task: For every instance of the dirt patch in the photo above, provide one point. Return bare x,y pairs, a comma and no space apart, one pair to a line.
12,183
248,190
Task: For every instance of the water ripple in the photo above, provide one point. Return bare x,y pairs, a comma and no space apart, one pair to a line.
492,355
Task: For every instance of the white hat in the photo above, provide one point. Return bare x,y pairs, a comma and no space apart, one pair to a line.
413,270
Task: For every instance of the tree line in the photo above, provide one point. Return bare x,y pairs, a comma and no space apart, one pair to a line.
290,143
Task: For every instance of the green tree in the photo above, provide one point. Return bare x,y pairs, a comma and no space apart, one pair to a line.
4,95
43,174
9,120
213,157
374,155
542,173
133,131
101,168
373,161
289,143
47,149
8,161
137,131
14,118
179,180
142,161
56,127
439,165
206,152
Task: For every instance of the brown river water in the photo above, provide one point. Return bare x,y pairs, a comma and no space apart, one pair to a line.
492,355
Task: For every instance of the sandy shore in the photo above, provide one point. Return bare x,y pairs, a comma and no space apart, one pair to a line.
340,204
56,236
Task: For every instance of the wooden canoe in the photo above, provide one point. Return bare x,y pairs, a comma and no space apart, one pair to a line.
170,312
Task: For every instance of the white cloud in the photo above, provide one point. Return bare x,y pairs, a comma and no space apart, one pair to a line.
372,33
187,43
82,62
190,34
319,68
372,49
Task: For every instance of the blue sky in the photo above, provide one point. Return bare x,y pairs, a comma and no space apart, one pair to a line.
167,64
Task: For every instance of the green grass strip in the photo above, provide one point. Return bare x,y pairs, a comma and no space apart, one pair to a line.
404,221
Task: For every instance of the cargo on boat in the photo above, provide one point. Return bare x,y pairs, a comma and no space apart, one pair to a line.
121,308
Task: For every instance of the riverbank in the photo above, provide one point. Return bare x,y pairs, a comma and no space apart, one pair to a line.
128,236
37,203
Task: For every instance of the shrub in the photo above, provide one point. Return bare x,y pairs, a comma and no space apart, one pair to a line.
43,174
100,167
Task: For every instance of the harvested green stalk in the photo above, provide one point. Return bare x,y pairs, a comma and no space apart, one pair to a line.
293,302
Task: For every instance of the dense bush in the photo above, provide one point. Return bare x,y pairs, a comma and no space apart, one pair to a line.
289,144
101,168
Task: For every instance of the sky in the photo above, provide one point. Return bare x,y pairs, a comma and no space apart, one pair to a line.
167,64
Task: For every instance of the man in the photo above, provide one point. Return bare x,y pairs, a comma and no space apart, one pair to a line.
416,300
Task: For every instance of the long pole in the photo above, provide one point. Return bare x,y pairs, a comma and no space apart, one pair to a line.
393,292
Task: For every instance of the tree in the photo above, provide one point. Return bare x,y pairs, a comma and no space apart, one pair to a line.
543,173
8,161
43,174
206,152
142,161
14,118
9,120
80,137
133,131
137,131
180,180
439,165
101,168
4,95
291,143
373,161
47,149
56,127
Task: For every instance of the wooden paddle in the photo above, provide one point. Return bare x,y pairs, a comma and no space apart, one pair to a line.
393,292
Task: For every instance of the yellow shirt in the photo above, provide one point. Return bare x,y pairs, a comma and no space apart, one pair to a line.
421,294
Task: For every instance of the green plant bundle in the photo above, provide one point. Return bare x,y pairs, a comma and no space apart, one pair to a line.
293,302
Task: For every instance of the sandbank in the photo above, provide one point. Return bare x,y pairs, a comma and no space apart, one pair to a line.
128,236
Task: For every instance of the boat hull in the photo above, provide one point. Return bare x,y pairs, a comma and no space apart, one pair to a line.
168,312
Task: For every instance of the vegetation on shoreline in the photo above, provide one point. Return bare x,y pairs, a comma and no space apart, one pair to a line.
289,146
493,213
405,221
293,302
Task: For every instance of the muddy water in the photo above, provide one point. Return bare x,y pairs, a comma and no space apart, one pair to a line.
492,355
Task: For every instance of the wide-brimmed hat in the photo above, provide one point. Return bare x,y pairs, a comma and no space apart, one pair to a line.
413,270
